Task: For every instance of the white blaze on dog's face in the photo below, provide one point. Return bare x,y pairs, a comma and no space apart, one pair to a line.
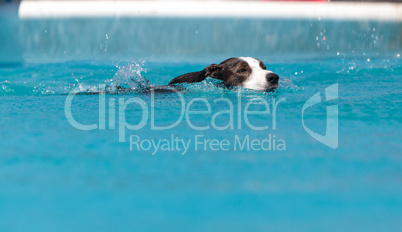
259,78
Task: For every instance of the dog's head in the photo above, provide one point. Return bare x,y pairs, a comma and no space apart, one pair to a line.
246,72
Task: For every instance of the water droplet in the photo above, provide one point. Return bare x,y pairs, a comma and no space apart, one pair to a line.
398,55
368,60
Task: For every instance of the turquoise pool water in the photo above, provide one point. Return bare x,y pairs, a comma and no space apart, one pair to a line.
55,177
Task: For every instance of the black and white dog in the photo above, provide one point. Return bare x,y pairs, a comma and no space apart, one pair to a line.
246,72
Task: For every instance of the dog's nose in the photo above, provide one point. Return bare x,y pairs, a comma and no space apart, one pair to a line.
272,78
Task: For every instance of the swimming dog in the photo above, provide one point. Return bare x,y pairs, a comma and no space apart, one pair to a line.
247,72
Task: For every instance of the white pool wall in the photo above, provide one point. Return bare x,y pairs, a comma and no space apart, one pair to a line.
255,9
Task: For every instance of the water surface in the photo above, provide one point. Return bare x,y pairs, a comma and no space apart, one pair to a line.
56,177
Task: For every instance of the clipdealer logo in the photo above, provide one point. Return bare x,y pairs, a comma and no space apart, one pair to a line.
331,132
187,114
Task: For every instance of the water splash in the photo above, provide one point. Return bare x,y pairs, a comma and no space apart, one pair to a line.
288,85
129,76
212,86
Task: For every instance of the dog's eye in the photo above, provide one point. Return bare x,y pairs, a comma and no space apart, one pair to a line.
242,70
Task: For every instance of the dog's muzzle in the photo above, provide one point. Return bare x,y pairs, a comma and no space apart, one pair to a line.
272,78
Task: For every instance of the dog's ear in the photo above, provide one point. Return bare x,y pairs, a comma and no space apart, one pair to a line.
213,71
188,78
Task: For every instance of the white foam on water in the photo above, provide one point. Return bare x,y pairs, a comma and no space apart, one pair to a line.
130,76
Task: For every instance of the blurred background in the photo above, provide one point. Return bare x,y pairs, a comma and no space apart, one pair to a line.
65,30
